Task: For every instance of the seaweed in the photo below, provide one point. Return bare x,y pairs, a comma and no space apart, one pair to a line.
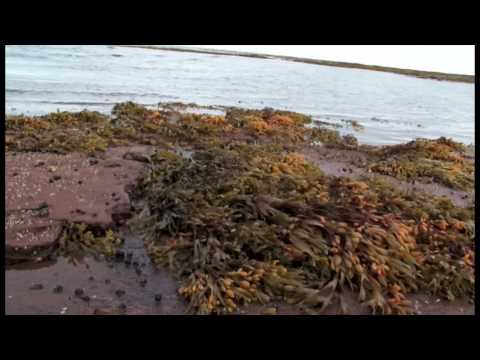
270,224
442,160
77,240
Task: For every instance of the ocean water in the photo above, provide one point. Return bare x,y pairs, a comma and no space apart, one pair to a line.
392,108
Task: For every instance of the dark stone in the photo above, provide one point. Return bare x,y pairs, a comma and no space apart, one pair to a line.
138,271
91,278
80,182
15,173
113,194
93,161
56,177
136,157
119,292
85,298
120,255
143,282
58,289
112,165
344,170
40,163
75,169
79,292
158,297
135,264
122,306
36,287
107,281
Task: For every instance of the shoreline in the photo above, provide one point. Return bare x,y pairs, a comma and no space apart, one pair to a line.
421,74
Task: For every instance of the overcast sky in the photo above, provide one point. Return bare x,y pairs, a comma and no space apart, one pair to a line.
459,59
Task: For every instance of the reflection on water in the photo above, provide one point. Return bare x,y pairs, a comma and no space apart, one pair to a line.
392,108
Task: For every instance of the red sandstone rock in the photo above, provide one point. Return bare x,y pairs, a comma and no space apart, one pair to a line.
73,188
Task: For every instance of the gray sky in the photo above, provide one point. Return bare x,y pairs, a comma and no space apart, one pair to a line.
458,59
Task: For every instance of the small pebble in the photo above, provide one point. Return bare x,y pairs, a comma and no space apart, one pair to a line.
85,298
119,292
91,278
143,282
138,271
58,289
80,182
79,292
36,287
158,297
15,174
122,306
107,281
120,255
93,162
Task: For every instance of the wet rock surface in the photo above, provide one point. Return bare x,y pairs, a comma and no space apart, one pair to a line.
80,192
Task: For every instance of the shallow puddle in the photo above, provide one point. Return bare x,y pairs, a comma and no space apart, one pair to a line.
108,284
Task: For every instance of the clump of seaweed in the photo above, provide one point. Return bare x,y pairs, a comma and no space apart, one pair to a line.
249,223
92,132
441,160
78,239
60,132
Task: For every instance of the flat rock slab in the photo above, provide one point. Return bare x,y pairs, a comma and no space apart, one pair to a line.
73,187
